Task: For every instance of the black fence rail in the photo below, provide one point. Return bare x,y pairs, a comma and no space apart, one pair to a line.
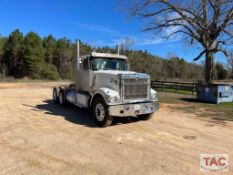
174,86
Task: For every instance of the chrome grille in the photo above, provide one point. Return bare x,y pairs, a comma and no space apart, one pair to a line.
136,88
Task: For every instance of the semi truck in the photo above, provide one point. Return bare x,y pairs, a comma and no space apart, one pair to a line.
105,85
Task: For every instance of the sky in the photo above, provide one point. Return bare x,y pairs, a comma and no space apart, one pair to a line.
96,22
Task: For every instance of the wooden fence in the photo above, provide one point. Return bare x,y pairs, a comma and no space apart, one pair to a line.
175,86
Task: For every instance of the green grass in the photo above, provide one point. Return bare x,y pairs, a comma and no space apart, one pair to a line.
170,97
189,104
179,91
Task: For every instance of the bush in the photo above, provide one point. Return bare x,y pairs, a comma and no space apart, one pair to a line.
49,72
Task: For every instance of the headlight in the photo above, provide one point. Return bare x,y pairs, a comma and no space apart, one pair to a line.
111,96
153,94
114,99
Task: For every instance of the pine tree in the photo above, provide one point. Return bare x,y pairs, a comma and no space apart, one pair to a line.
49,44
33,55
63,57
2,65
13,55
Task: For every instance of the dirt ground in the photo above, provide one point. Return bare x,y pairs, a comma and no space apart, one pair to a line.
39,137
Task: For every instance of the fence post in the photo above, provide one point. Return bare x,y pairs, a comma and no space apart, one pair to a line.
193,90
176,86
162,86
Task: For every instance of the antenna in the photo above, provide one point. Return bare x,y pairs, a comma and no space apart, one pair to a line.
78,55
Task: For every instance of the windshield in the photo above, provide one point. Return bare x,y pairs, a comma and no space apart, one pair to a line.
108,64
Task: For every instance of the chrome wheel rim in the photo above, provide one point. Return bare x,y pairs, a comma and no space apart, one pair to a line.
99,112
60,98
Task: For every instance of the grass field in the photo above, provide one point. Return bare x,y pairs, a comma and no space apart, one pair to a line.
178,91
189,104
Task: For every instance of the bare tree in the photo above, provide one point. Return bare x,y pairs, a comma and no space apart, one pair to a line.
230,64
205,22
126,43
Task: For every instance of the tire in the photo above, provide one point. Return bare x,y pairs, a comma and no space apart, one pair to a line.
100,113
61,98
55,96
146,116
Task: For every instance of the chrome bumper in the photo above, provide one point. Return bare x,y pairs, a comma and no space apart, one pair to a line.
133,109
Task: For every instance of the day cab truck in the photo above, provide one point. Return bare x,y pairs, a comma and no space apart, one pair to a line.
105,85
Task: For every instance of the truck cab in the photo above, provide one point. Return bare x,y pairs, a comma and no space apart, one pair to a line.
105,84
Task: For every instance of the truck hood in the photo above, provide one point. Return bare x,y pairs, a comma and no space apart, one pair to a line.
110,78
118,72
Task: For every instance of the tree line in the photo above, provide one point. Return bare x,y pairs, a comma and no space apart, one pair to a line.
51,58
37,58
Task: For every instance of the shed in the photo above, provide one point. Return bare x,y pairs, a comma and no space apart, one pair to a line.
215,93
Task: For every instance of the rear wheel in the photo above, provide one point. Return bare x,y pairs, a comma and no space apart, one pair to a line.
100,113
55,96
146,116
62,98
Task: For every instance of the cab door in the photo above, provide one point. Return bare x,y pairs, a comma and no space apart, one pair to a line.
85,76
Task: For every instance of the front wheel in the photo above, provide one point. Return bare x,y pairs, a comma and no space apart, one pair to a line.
146,116
100,113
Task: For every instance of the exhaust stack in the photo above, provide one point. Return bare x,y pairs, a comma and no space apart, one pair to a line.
78,55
